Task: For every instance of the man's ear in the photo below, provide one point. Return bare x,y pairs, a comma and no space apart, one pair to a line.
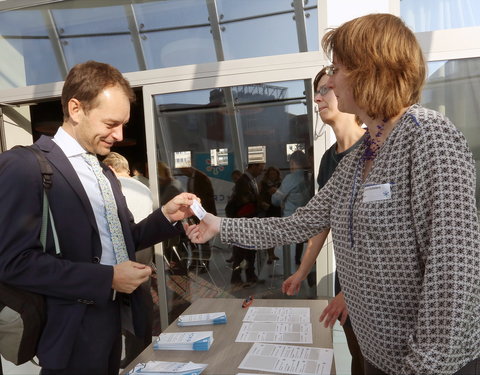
75,110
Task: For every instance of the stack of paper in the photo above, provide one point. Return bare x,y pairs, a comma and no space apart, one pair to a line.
202,319
288,359
200,341
168,368
278,314
288,325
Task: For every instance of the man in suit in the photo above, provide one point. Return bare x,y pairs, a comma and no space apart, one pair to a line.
140,203
91,290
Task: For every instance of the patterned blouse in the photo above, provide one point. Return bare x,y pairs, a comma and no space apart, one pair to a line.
408,259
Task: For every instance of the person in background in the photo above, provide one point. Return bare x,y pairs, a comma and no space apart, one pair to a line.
236,174
401,208
173,249
247,202
200,184
138,196
269,184
168,185
294,191
140,203
138,172
349,135
94,284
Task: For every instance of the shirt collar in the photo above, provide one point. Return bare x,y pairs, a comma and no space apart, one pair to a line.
68,144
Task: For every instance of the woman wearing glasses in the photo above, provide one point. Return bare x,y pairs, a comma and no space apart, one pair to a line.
401,208
349,135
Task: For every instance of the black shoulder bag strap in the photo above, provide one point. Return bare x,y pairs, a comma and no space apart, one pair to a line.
47,172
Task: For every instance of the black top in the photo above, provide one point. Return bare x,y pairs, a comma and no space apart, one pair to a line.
330,160
328,164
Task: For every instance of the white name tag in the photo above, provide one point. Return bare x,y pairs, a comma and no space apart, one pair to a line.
198,210
372,193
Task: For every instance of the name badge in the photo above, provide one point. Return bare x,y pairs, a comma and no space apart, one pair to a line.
372,193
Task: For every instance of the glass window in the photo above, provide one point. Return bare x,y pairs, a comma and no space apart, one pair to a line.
171,14
228,9
242,123
22,23
28,54
172,33
80,49
273,35
311,24
429,15
90,20
178,47
453,88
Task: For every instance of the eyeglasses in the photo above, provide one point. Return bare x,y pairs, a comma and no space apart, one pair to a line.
330,70
323,90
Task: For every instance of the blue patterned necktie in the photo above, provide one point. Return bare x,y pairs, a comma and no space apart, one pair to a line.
114,226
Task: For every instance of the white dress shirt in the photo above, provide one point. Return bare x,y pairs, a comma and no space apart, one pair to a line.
73,151
138,196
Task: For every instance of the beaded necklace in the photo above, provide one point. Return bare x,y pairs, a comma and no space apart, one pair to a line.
372,145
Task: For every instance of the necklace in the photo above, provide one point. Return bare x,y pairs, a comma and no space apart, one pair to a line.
372,145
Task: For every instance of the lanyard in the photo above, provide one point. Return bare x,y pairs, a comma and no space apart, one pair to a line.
352,201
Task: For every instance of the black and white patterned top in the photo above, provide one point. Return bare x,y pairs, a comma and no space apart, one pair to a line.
409,265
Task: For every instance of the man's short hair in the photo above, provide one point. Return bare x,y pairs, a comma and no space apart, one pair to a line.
117,162
86,80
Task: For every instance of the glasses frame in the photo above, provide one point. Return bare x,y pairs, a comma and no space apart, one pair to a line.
324,90
330,70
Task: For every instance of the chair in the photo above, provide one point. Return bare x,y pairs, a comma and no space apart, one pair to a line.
200,257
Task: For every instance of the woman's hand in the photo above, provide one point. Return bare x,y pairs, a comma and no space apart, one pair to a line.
337,308
205,230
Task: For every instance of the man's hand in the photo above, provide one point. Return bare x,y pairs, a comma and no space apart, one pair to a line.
201,233
127,276
178,208
291,286
336,308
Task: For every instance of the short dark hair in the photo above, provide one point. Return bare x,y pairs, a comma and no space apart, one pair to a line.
86,80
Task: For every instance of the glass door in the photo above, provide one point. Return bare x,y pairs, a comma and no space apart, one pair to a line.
199,140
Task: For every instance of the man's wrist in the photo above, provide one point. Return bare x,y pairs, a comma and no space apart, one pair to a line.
165,214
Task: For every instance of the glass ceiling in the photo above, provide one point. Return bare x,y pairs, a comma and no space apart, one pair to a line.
42,43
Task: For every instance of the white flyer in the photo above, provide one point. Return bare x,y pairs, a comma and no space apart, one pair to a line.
288,359
168,368
278,314
198,210
286,333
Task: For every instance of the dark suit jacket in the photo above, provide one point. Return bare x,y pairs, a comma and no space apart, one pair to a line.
76,280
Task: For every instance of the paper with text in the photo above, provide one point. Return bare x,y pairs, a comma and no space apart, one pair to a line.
278,314
286,333
288,359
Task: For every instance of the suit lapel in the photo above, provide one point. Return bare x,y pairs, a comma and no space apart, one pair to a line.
58,159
